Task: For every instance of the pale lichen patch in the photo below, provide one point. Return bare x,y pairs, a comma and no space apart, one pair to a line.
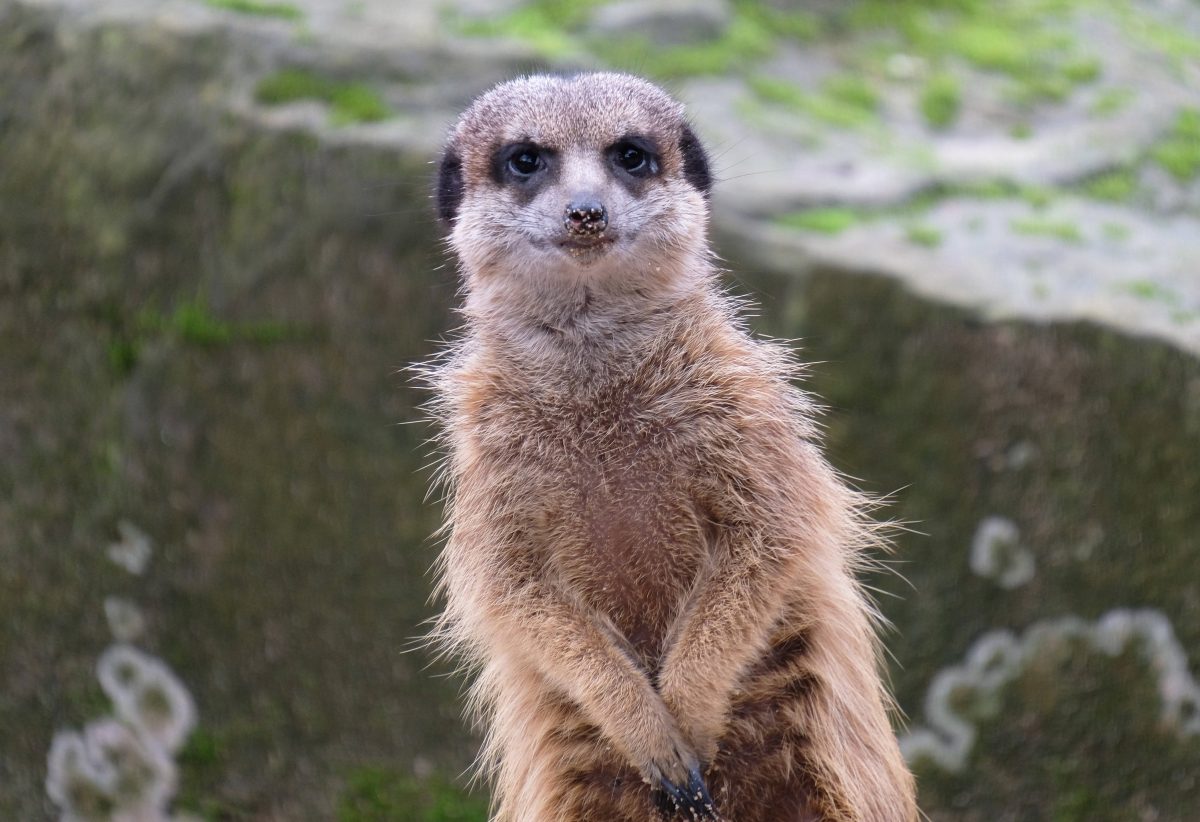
962,692
997,553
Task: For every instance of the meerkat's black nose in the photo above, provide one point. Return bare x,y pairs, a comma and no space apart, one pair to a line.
585,218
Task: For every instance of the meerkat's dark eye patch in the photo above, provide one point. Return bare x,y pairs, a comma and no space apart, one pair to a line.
520,162
695,161
635,156
449,192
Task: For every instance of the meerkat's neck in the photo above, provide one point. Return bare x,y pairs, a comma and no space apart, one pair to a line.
550,318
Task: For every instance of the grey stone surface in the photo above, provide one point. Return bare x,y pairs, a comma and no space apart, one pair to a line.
1129,270
671,22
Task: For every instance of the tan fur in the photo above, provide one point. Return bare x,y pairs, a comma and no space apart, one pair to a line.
649,561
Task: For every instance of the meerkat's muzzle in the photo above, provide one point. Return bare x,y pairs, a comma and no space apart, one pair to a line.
585,219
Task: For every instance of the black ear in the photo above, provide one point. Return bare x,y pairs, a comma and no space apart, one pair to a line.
449,191
695,161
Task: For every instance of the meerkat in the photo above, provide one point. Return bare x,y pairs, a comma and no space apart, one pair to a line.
648,562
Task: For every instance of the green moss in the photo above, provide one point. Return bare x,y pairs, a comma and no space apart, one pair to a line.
123,355
1115,231
1020,40
564,14
1179,151
86,701
999,189
356,103
382,795
553,28
1039,227
286,11
992,45
771,89
994,189
834,113
795,24
1115,186
853,91
202,750
1180,45
1042,63
348,102
910,20
1150,290
843,100
549,26
289,85
822,220
542,25
746,41
924,235
1037,196
1180,159
193,322
941,100
1037,87
201,762
911,211
1111,101
1082,70
1021,131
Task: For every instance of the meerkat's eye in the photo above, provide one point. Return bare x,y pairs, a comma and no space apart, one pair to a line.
522,163
525,162
634,158
631,158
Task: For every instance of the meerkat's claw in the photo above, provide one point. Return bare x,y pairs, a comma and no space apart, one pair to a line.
693,799
701,799
678,797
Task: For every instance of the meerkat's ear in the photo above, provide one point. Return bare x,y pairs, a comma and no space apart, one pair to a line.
449,191
695,160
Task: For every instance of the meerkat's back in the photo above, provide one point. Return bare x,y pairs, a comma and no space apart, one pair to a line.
649,561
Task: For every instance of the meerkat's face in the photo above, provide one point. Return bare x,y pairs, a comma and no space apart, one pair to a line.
546,178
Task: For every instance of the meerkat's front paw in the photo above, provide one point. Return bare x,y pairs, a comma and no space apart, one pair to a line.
674,771
672,765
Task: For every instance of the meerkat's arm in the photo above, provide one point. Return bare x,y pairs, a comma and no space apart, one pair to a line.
497,599
718,635
785,524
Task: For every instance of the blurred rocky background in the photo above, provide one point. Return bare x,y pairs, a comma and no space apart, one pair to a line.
981,220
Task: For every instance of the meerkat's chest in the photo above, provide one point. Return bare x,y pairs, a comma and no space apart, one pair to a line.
607,489
630,539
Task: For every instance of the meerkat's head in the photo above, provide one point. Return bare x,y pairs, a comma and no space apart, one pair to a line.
594,179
